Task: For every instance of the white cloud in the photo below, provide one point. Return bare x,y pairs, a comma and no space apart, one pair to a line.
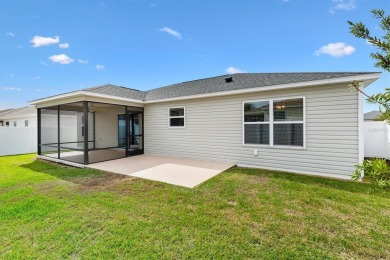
100,67
11,34
171,32
337,49
342,5
39,41
61,59
233,70
12,89
64,45
82,61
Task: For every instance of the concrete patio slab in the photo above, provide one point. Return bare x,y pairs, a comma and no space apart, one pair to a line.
177,171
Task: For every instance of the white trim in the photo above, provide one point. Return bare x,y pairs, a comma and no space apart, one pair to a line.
334,176
271,123
84,94
361,125
366,77
169,117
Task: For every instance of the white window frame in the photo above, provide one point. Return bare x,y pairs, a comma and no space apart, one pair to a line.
170,117
271,123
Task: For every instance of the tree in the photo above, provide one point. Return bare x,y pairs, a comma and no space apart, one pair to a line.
377,169
381,56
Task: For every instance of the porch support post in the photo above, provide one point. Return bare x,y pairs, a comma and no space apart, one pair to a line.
86,158
58,132
143,130
127,131
94,130
39,131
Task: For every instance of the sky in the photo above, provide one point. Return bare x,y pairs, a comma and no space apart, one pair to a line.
50,47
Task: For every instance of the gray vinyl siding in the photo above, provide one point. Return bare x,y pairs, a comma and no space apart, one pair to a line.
106,123
213,131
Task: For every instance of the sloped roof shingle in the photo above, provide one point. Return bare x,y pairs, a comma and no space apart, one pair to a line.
218,84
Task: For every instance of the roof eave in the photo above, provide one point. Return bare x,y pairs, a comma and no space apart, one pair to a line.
83,94
367,78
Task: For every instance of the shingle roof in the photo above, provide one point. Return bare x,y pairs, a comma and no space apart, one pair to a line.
29,110
5,111
370,116
218,84
118,91
240,81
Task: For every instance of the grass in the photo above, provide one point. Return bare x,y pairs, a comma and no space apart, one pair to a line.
50,211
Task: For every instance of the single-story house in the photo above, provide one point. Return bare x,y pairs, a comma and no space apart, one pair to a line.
19,117
371,116
309,123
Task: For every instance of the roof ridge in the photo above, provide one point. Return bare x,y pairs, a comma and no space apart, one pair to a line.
109,85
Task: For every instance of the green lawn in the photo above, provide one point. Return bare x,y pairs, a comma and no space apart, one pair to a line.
49,211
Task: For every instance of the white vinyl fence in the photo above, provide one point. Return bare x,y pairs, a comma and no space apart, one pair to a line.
377,139
18,140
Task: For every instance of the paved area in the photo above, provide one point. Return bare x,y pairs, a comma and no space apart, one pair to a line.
178,171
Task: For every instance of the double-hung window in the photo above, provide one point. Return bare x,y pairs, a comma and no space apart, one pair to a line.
276,122
256,122
176,117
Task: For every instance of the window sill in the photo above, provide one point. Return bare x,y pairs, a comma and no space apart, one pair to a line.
286,147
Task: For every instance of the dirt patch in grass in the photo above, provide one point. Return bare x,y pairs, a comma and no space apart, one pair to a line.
106,181
259,179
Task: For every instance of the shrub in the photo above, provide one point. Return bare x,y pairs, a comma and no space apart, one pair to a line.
376,170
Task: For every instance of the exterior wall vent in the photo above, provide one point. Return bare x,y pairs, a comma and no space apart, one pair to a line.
229,79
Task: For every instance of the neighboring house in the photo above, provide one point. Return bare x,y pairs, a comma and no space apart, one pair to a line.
298,122
371,116
3,112
19,117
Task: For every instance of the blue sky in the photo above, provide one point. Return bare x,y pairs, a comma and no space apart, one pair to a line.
51,47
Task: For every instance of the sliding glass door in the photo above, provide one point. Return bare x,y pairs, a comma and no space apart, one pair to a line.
135,132
130,130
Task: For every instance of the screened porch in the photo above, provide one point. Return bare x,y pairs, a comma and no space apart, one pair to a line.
89,132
